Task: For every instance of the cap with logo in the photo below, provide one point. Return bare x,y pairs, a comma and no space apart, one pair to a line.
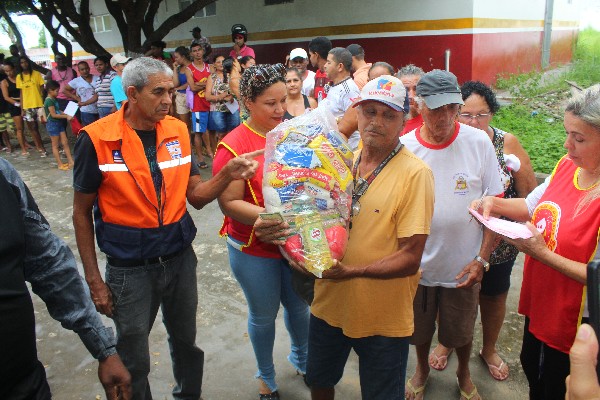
298,53
385,89
119,59
439,88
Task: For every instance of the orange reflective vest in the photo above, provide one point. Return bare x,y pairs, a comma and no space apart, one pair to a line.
129,222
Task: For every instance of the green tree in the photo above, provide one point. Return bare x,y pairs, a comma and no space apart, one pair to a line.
42,43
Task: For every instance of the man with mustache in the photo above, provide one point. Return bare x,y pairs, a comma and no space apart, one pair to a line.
134,169
364,301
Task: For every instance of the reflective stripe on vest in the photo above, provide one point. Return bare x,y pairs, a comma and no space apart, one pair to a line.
162,165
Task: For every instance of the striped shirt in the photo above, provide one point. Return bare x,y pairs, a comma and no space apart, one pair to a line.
105,98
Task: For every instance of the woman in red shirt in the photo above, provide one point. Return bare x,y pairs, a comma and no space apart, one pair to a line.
263,274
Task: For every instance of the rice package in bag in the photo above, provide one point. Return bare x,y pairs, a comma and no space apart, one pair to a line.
308,179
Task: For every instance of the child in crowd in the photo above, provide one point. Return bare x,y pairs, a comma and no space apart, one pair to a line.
54,127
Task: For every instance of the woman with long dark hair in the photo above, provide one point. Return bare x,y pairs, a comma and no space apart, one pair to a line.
30,82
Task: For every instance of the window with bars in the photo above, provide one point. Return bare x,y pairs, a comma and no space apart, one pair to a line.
100,23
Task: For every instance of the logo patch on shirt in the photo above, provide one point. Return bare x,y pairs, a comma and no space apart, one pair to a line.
174,149
117,157
460,184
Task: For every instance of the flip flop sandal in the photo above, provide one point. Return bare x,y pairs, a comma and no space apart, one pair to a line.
492,368
470,395
415,391
439,359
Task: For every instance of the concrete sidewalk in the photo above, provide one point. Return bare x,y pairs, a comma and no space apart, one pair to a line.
222,332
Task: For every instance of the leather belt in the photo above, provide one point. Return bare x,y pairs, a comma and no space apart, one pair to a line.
122,263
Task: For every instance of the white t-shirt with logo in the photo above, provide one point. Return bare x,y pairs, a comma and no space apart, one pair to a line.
462,168
85,90
340,96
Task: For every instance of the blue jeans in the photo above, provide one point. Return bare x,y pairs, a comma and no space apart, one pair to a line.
88,118
381,361
266,283
104,111
137,294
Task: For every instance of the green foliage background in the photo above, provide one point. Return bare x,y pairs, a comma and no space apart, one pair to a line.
540,129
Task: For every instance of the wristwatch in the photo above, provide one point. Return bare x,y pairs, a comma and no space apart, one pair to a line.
486,265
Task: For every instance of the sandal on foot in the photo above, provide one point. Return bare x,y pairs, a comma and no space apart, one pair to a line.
470,395
495,371
415,391
63,167
439,360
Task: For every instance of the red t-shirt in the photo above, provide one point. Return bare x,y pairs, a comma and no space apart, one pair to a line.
412,124
239,141
552,301
200,75
321,80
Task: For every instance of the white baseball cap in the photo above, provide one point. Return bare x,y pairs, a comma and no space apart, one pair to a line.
385,89
119,59
298,52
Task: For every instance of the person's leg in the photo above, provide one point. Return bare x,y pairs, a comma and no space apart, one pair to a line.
205,135
328,350
381,361
32,125
179,306
197,139
296,316
20,135
425,308
555,369
492,303
54,141
136,305
260,279
66,148
531,358
457,315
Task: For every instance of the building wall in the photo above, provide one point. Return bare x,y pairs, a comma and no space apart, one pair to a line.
484,38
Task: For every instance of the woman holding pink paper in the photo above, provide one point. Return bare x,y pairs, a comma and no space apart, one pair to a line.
565,221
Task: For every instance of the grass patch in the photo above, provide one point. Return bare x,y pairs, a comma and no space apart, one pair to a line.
540,134
535,116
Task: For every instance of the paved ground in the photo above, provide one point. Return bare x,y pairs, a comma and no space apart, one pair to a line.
221,323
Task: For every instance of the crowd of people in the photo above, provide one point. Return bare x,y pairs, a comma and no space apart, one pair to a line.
425,153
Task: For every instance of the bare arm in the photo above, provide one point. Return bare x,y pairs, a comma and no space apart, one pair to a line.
71,93
195,86
402,263
474,269
200,193
234,86
515,209
91,100
349,122
84,235
313,104
53,114
525,180
536,248
233,205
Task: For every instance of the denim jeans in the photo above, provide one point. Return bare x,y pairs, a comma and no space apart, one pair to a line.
88,118
266,283
381,361
104,111
137,294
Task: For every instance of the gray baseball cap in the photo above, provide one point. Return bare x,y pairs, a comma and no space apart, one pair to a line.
439,88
